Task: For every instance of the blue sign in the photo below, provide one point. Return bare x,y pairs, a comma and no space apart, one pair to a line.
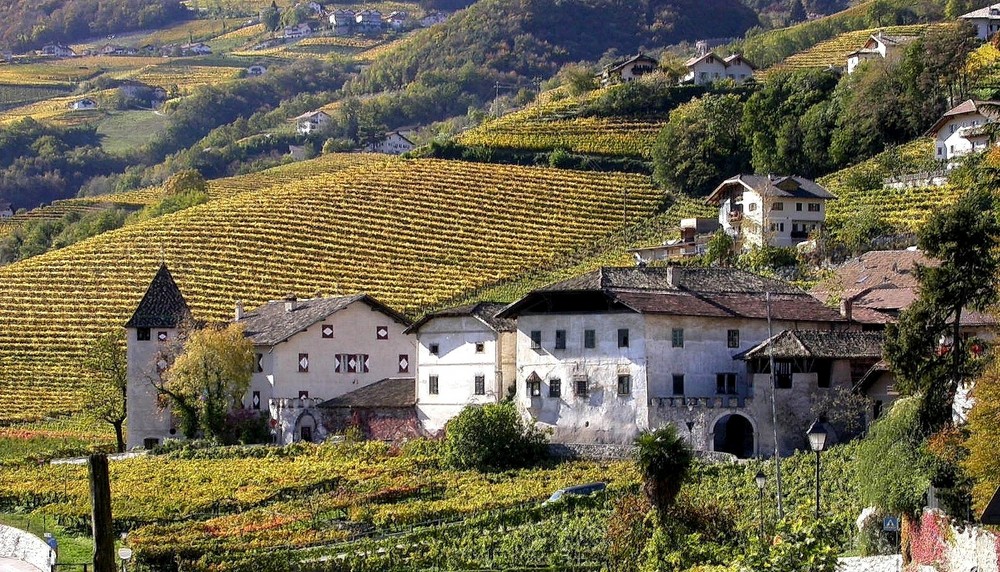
890,524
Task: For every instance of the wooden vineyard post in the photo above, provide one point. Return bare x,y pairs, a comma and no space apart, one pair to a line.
100,503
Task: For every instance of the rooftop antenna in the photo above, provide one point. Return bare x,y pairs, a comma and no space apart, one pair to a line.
774,411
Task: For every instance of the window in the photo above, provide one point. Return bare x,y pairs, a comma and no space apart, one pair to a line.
798,206
778,206
534,387
677,337
725,383
432,383
560,339
480,386
589,339
434,349
303,395
480,347
404,363
536,339
581,387
814,207
326,330
752,207
161,336
255,400
150,442
733,338
382,333
624,384
555,387
351,363
623,338
259,360
678,384
303,363
142,334
783,374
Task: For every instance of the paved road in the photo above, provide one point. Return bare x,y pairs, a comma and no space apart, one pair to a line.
11,565
871,564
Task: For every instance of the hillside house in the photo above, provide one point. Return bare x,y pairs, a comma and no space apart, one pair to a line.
82,104
256,70
57,51
605,355
297,31
310,351
397,20
310,122
395,143
693,241
465,355
154,326
880,45
960,131
117,50
766,209
432,18
709,68
628,70
368,22
985,20
342,22
6,210
315,9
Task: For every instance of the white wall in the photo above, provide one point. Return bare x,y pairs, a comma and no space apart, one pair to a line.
950,142
146,420
739,71
708,70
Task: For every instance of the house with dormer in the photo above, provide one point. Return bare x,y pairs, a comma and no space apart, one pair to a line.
629,70
709,68
608,354
879,46
767,209
985,20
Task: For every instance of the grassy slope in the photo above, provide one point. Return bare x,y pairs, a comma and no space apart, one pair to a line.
833,52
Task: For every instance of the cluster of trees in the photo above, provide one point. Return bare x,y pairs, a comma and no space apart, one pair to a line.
811,122
31,23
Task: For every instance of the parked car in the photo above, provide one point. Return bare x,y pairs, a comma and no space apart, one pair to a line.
578,490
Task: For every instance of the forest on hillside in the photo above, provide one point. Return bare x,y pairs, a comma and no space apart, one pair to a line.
32,23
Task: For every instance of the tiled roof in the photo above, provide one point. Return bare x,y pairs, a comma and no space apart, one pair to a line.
773,186
272,324
818,344
873,269
389,393
740,57
684,291
892,299
990,11
864,315
162,306
636,58
966,107
485,311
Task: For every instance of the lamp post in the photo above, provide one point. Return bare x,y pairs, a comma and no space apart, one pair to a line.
761,480
817,442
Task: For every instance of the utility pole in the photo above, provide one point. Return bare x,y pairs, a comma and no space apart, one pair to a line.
101,525
774,410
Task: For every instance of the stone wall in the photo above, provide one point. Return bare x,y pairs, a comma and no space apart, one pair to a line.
21,545
611,452
935,542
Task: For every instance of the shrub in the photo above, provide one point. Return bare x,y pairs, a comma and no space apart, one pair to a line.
492,437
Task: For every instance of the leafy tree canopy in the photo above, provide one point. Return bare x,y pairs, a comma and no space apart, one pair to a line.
492,437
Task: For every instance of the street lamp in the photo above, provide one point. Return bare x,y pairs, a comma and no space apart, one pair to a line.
817,442
761,480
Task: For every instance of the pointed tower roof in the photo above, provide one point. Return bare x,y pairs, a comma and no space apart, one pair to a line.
163,306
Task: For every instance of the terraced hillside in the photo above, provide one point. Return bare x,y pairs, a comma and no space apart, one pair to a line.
411,233
833,52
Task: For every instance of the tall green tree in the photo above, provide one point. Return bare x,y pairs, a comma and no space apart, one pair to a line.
701,145
104,396
664,459
797,12
926,348
271,17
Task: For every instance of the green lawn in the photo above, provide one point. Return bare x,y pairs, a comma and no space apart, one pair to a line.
72,549
127,130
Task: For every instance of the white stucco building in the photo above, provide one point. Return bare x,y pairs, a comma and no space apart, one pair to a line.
616,351
6,210
395,143
960,130
465,356
766,209
312,121
878,46
313,350
985,20
629,69
709,67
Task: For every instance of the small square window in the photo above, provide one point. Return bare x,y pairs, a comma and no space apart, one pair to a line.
733,338
623,337
404,363
142,334
432,383
161,336
382,333
725,383
555,387
798,206
778,206
255,401
480,347
326,330
303,395
678,384
589,339
560,339
677,337
814,207
581,388
624,384
536,339
480,385
434,349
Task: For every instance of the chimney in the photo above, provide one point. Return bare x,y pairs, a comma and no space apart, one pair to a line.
239,310
846,308
673,275
291,303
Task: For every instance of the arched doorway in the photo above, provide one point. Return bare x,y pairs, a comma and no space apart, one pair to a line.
734,434
305,428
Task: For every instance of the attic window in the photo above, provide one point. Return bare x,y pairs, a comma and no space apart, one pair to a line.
142,334
382,333
327,331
